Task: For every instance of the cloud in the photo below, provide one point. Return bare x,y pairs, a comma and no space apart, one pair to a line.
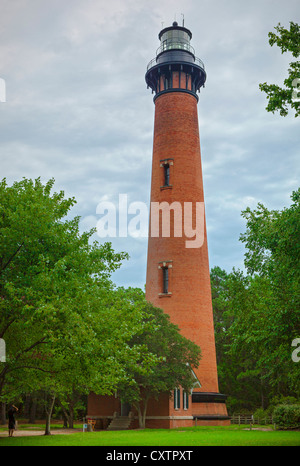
78,108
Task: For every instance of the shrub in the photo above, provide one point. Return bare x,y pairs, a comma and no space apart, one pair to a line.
260,415
287,416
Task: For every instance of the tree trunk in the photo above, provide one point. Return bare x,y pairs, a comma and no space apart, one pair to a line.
65,419
145,411
32,410
71,416
142,413
49,409
262,393
138,408
68,416
3,413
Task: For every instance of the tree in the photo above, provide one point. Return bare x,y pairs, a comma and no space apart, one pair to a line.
250,302
49,275
272,239
237,367
281,98
166,358
257,315
222,318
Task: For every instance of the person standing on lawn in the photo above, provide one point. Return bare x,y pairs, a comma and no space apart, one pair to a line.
11,420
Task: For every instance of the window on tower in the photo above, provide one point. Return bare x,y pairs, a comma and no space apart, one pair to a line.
165,279
167,174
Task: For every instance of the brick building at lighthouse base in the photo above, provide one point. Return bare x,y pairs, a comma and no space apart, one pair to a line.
206,409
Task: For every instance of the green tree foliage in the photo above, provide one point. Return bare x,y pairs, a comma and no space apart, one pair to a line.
237,370
258,315
281,98
287,416
52,282
68,329
272,240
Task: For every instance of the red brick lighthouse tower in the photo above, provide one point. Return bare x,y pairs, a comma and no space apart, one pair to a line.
178,278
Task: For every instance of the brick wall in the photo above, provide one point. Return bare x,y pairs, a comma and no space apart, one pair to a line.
176,136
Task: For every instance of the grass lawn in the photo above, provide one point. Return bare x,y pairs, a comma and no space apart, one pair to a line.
193,436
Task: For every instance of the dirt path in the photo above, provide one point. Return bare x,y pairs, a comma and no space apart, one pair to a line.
28,433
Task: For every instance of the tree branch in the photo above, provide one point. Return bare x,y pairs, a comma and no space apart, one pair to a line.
6,327
32,367
11,258
39,342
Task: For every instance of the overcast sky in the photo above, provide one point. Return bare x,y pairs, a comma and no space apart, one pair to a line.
78,109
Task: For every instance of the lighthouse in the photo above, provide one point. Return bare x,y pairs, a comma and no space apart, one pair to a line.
178,276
